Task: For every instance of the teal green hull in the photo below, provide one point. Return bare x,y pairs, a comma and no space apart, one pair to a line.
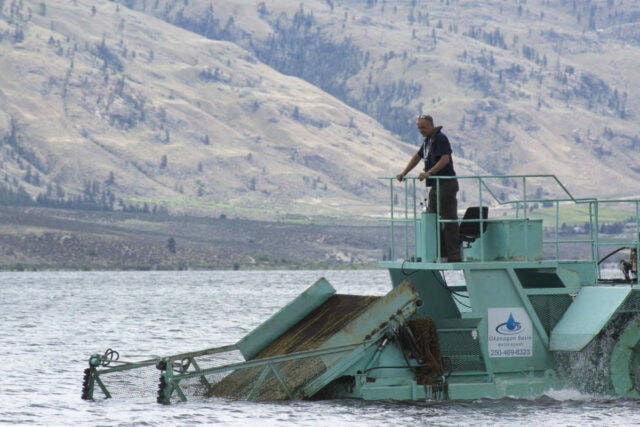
523,386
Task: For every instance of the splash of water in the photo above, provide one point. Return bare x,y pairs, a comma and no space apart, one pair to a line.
588,370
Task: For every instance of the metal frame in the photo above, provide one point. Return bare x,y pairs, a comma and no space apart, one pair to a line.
410,218
172,379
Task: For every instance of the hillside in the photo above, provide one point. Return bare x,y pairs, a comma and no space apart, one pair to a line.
134,111
263,109
521,86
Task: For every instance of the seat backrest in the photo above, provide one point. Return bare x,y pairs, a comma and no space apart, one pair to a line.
470,231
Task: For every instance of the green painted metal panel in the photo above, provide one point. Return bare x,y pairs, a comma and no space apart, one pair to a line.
387,388
437,301
584,269
426,239
471,390
585,318
497,291
525,385
508,240
285,318
570,277
409,391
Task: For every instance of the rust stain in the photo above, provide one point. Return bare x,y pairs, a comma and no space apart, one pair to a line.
308,334
328,319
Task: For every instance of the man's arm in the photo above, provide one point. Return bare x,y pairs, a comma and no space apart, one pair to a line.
440,164
412,164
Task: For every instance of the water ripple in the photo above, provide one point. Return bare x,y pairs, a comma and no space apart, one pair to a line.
53,321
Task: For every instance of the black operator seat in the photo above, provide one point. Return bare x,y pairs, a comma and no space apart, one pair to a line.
470,230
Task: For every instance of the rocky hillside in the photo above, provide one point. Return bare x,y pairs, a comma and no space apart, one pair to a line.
521,86
101,104
263,109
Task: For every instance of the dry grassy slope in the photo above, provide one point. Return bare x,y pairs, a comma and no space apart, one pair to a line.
262,161
543,138
543,129
259,161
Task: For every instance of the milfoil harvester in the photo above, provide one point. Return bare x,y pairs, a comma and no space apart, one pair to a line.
532,307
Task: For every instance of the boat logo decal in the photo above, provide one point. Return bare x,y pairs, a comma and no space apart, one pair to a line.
509,332
510,327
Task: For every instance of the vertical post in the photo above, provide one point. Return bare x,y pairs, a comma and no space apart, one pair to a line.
557,244
480,184
393,246
87,384
165,387
91,377
419,227
526,214
406,219
524,196
429,223
637,236
414,200
438,236
416,222
594,230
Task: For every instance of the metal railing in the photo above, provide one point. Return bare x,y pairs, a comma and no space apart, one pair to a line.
517,197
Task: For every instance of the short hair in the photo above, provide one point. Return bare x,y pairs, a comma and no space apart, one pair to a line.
426,117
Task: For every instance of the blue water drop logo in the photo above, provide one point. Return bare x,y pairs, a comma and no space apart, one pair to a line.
511,322
510,327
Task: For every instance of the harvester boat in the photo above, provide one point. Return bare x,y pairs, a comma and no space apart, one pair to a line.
530,308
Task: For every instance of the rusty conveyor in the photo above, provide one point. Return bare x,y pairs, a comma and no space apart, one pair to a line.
339,320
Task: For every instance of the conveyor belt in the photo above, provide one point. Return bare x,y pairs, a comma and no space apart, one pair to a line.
308,334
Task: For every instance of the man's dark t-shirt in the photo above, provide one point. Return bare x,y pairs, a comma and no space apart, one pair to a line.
436,145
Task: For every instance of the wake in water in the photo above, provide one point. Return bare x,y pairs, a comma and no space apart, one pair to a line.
588,371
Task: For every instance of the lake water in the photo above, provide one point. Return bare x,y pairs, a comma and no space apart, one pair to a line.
53,321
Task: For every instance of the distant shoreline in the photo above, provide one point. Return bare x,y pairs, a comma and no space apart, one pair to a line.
53,239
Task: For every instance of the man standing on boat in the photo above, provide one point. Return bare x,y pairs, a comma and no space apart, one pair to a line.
436,153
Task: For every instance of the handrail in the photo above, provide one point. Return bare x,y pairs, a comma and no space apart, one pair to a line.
483,180
519,202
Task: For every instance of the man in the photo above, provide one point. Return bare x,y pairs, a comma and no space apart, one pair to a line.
436,153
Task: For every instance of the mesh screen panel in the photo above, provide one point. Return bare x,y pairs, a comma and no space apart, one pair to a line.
550,308
143,381
461,350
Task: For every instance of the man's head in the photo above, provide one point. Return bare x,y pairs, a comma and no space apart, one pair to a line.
425,125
